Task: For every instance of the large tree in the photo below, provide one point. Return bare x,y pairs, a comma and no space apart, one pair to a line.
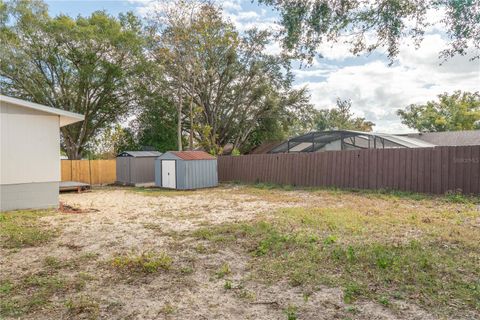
452,112
341,117
174,48
90,65
368,25
229,78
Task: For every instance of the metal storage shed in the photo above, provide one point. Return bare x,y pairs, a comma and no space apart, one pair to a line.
136,167
186,170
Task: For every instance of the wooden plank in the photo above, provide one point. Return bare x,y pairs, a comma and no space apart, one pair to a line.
451,169
345,170
390,169
436,179
402,169
65,170
475,174
374,170
414,180
428,170
469,167
408,169
421,170
362,172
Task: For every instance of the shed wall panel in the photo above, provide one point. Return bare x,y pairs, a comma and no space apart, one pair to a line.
123,170
158,172
201,174
142,170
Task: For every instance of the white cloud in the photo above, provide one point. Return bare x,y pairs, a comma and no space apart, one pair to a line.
231,4
377,90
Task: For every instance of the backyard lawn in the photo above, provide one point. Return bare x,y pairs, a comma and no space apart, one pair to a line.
242,252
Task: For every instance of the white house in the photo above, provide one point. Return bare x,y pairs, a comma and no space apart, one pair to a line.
29,153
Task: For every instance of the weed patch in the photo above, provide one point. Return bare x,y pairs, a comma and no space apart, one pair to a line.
160,192
84,307
299,246
24,229
34,291
223,271
144,263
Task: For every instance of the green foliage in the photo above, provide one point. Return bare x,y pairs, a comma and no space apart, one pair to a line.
5,287
90,65
351,291
291,312
110,142
144,263
223,271
237,91
340,118
458,111
367,26
83,306
228,285
24,229
34,292
155,126
168,308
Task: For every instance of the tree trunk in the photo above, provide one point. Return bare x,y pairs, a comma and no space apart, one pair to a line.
73,152
191,125
179,123
71,146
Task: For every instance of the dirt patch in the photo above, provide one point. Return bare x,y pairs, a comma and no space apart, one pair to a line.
65,208
107,223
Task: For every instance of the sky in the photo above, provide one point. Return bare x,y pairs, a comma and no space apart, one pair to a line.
375,88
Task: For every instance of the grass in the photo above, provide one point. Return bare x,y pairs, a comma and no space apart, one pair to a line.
143,263
20,229
83,307
449,197
35,291
291,312
223,271
55,263
161,192
426,254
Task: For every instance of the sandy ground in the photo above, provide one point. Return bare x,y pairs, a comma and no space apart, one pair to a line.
121,221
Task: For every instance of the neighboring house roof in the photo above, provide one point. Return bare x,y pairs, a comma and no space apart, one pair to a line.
66,117
193,155
406,141
139,154
449,138
265,147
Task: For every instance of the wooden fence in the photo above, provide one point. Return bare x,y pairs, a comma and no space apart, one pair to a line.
89,171
428,170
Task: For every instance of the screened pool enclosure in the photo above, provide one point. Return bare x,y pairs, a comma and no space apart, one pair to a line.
347,140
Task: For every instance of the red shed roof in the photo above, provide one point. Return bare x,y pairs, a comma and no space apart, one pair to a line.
193,155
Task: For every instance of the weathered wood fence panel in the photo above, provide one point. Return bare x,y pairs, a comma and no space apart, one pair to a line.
89,171
427,170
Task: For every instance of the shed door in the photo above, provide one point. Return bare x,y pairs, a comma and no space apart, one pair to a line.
168,174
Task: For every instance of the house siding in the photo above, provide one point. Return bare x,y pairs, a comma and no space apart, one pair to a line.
40,195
